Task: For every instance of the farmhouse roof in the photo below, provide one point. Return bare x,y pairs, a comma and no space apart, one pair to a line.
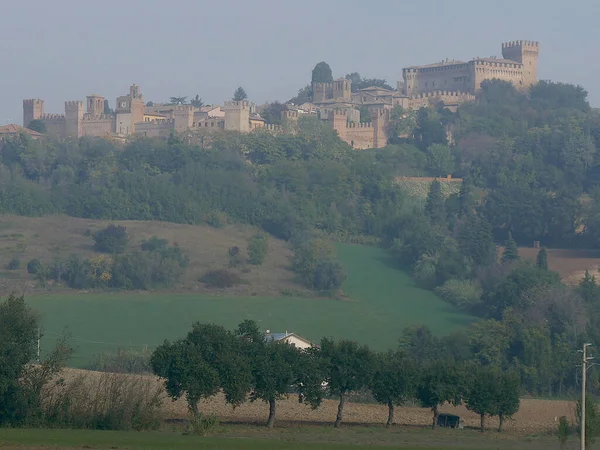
270,337
13,129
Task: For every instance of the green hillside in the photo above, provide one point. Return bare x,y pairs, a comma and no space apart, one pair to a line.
382,300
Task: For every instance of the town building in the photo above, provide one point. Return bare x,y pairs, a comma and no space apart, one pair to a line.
450,82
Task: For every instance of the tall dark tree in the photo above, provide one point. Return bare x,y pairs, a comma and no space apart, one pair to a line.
37,125
240,95
350,368
304,95
395,381
475,240
107,109
511,251
178,100
434,205
18,338
542,259
197,101
322,73
465,197
273,111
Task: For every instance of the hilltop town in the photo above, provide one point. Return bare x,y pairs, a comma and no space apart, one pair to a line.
451,82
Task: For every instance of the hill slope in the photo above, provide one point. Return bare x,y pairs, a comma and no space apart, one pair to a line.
51,237
382,300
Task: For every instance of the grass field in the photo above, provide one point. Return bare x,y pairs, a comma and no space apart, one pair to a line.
381,301
243,437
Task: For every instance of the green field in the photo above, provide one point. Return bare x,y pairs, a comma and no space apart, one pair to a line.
381,301
245,437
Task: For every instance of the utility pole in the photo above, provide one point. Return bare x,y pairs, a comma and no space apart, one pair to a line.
38,345
583,380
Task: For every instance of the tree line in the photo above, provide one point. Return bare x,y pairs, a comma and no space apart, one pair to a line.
248,365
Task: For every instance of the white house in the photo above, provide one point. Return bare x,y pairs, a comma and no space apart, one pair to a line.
290,338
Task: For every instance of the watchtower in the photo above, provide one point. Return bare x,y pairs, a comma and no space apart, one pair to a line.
33,109
237,116
73,119
95,105
526,53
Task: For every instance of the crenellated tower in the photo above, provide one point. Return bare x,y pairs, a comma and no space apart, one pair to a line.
33,109
237,116
73,119
95,105
526,53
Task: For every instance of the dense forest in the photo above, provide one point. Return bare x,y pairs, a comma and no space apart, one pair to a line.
531,168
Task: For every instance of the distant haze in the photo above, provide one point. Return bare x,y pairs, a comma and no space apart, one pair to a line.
66,49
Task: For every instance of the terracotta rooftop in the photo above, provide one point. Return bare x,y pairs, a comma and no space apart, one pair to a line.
17,129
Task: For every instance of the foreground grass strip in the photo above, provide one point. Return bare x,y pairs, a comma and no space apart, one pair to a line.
57,439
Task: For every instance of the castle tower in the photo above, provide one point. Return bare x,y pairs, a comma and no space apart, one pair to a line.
184,117
338,120
73,119
95,105
379,119
237,116
526,53
342,88
33,109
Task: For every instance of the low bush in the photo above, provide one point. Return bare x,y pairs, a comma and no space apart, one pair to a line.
14,263
112,239
258,246
221,278
235,256
328,275
34,267
154,244
464,294
217,219
202,425
123,361
110,401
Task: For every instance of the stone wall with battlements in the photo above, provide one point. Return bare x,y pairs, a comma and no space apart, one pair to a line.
155,128
55,124
99,126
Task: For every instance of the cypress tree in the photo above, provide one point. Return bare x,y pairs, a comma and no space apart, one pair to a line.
511,252
464,197
542,259
435,208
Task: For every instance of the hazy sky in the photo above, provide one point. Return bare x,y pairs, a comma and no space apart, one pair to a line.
66,49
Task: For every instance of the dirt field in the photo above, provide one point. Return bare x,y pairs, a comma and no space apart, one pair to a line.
570,264
50,237
534,416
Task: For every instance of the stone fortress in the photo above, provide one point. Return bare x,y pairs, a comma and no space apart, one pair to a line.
450,82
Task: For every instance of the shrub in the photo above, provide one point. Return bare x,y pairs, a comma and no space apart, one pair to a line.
217,219
307,254
201,425
112,239
14,263
110,401
154,244
235,256
221,278
328,276
145,270
258,246
123,361
34,267
463,294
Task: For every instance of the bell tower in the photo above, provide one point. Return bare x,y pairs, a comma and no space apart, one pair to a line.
526,53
